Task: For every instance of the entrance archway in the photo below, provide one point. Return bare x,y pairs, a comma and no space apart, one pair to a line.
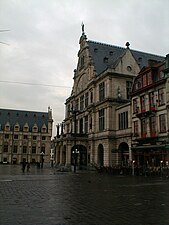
81,157
124,153
100,155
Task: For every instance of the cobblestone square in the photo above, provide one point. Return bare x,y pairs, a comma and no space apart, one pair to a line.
43,196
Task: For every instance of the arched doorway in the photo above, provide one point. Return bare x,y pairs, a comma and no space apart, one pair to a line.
100,155
124,153
81,156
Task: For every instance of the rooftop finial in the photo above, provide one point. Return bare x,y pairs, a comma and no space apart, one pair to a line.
82,28
127,44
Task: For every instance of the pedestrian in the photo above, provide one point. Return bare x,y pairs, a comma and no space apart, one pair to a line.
28,167
23,166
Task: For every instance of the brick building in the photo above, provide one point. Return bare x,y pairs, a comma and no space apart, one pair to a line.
25,136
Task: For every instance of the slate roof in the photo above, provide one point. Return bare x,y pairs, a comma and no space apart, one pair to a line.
101,51
22,117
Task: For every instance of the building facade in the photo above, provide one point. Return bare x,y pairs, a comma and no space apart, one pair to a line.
97,123
25,136
150,139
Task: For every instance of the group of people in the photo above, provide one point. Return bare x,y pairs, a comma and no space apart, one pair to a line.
24,166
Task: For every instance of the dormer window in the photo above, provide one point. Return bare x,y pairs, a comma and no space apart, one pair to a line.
105,60
16,127
95,50
26,128
43,129
35,128
7,126
111,53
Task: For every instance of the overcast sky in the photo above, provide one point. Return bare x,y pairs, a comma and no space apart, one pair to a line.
43,43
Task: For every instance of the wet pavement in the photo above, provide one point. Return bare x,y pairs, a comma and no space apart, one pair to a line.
43,196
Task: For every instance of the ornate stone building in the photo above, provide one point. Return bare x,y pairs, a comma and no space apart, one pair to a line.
25,136
97,123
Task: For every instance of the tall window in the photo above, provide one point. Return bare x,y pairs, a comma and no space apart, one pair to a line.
162,120
15,149
153,125
143,104
123,120
24,150
136,128
82,102
86,124
144,80
91,97
86,99
101,91
128,89
149,78
161,96
5,148
143,128
101,120
135,106
151,100
33,149
43,149
81,126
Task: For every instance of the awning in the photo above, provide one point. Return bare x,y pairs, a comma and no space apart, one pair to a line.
149,147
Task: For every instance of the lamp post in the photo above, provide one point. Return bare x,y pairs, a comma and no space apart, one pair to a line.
133,167
42,159
75,154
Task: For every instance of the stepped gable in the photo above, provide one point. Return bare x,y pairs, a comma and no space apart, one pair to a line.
22,117
105,55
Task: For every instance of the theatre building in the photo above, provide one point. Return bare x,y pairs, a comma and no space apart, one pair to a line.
97,124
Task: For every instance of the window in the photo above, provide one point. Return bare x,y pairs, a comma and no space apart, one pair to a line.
136,128
135,107
16,128
82,102
24,149
77,104
43,138
15,149
162,120
151,101
128,89
101,120
153,126
81,126
86,124
15,136
86,99
91,97
123,120
143,104
149,78
6,136
5,148
25,137
101,91
43,149
34,137
33,149
161,96
143,128
144,80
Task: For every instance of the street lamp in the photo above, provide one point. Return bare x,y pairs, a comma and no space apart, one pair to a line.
42,159
75,154
133,167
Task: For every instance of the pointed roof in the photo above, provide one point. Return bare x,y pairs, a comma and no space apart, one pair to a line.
105,55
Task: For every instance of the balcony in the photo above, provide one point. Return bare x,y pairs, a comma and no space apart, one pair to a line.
146,112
